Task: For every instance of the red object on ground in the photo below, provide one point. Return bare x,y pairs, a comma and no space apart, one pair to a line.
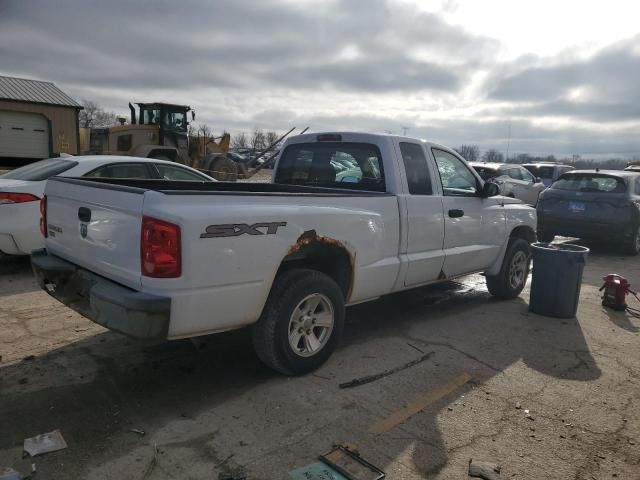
616,288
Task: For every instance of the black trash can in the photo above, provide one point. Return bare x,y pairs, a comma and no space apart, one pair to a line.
557,277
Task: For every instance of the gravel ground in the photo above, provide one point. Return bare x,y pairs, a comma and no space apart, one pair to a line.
213,411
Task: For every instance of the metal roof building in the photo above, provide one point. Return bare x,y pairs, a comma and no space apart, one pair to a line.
37,120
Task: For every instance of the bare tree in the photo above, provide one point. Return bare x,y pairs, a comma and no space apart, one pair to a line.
257,140
270,137
493,156
92,115
240,141
470,153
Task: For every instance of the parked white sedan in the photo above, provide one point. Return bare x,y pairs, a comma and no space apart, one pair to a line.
21,190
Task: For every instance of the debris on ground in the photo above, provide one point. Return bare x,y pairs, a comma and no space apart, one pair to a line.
138,431
486,470
44,443
347,460
9,474
372,378
152,463
518,406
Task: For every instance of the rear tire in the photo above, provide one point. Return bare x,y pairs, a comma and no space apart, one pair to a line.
632,247
511,279
292,336
222,169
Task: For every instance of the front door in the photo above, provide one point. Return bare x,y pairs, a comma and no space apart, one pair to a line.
475,227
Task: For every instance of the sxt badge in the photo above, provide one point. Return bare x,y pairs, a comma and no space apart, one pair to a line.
237,229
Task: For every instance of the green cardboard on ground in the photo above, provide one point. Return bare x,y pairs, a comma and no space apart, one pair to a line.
316,471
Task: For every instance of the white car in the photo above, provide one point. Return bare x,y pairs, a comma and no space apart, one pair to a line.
21,190
514,181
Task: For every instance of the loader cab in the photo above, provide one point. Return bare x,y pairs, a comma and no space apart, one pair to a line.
171,120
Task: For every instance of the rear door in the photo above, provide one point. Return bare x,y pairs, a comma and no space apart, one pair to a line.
96,226
475,227
425,218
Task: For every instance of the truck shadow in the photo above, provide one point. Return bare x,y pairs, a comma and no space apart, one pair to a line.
99,388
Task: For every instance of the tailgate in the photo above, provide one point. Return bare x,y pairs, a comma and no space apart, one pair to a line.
97,227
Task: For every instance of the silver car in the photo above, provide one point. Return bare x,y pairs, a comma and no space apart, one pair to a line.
513,180
548,172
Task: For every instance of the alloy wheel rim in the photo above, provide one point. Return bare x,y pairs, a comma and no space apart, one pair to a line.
310,325
518,269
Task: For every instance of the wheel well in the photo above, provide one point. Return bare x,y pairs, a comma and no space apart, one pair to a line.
323,254
524,232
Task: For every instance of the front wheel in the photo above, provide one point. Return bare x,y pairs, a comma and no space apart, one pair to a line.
511,279
301,322
633,244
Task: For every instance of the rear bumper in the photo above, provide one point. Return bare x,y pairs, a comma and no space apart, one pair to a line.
586,229
136,314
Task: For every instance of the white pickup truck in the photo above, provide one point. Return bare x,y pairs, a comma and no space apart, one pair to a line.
348,218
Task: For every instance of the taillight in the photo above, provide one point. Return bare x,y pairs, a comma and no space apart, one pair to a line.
43,216
14,197
160,249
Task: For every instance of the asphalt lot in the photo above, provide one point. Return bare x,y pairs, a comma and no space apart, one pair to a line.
215,412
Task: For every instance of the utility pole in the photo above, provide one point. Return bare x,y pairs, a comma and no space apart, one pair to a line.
404,131
508,141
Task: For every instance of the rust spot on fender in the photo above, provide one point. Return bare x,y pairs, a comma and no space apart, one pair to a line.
310,240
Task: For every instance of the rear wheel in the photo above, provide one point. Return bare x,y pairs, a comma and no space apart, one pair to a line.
301,322
511,279
221,168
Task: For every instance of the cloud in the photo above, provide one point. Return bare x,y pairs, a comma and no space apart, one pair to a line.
603,87
169,45
331,64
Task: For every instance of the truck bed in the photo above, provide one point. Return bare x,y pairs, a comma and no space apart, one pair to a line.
170,187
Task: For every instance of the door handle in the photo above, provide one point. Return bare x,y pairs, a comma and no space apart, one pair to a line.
456,213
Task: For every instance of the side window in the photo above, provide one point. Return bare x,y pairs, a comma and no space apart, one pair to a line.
638,186
415,165
456,178
515,173
170,172
526,176
121,170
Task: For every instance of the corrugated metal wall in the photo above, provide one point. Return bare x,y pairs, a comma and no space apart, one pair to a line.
64,129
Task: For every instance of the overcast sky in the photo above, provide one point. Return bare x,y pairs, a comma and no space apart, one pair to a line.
544,76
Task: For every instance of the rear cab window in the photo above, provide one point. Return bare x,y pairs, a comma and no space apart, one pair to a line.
42,170
344,165
586,182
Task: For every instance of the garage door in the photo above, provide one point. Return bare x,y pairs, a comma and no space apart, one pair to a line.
23,135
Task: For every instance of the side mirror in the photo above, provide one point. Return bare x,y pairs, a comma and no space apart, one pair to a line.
193,115
538,180
490,189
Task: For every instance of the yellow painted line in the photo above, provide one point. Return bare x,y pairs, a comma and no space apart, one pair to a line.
419,404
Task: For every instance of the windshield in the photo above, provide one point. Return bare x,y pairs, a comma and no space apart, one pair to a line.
590,183
38,171
175,121
486,173
332,164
